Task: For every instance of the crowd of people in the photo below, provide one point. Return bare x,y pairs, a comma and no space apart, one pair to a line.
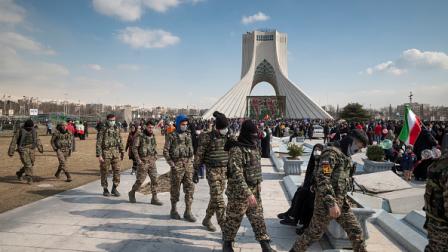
229,152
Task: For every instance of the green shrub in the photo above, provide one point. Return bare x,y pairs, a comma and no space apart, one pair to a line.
295,150
375,153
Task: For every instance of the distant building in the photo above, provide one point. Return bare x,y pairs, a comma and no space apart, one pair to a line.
425,111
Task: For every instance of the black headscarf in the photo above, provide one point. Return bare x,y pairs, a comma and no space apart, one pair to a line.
248,136
309,176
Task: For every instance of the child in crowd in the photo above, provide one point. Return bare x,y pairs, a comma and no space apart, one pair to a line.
407,162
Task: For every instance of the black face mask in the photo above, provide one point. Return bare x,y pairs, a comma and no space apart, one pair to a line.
29,128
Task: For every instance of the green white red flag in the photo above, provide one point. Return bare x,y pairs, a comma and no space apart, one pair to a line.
411,128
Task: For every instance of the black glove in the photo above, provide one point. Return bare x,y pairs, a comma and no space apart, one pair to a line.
195,177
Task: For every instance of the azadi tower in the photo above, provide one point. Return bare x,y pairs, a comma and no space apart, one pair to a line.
265,59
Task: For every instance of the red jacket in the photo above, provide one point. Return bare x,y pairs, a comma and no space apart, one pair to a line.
378,130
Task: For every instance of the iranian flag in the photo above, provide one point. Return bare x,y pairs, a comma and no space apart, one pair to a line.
411,128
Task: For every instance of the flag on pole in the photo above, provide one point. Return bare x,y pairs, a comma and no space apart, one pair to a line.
411,128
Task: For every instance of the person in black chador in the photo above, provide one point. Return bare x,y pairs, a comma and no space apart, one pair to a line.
266,143
302,204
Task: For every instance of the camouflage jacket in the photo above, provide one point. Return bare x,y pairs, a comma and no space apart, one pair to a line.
24,139
211,150
332,176
61,141
436,194
144,146
177,146
108,142
244,172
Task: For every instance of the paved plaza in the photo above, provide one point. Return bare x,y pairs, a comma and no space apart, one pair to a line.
83,220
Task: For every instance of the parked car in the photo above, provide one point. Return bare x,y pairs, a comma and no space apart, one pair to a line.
318,131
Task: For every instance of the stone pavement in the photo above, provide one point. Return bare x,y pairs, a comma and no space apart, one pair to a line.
83,220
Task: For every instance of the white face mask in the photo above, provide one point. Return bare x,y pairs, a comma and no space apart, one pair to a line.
183,128
317,153
198,132
111,123
223,131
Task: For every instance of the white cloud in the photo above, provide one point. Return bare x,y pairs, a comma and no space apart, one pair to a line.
417,58
95,67
161,5
20,42
137,37
126,10
10,12
129,67
411,58
132,10
258,17
386,67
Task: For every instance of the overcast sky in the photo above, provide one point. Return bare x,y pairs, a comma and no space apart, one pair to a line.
182,53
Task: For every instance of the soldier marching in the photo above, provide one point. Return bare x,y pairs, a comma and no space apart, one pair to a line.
211,153
236,163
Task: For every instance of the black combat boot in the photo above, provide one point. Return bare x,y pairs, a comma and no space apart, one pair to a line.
174,214
106,192
29,180
227,246
187,214
69,178
155,200
208,224
115,191
58,173
19,175
266,247
131,195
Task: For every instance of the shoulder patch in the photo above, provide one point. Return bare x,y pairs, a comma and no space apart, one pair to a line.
326,168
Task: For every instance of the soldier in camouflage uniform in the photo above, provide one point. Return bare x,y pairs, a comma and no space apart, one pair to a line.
332,182
109,151
436,204
25,141
244,188
61,142
178,152
145,153
211,153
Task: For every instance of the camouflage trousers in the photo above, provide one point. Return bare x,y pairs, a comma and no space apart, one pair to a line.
114,163
27,157
437,236
62,158
182,173
320,221
145,168
235,211
216,178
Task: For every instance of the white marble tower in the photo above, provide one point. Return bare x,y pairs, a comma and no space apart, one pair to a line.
265,59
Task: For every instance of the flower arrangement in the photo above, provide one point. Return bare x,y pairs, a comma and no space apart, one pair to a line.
294,150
